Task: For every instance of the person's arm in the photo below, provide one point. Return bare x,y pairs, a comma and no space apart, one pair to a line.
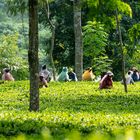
110,83
75,77
103,78
67,77
3,77
138,75
12,78
131,81
44,82
102,82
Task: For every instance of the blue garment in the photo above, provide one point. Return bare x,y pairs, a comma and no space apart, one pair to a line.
63,76
72,76
135,76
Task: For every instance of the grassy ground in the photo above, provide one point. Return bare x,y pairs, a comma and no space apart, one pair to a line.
70,110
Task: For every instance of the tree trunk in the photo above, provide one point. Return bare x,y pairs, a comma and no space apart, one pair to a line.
23,30
122,53
52,38
33,55
51,53
78,39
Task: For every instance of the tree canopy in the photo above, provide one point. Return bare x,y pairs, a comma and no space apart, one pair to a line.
98,26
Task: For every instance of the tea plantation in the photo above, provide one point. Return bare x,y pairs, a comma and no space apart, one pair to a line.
71,110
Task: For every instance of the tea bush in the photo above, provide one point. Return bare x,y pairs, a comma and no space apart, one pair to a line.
71,110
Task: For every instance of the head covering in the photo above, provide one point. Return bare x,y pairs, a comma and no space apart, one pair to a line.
110,73
44,67
6,70
71,69
130,72
134,69
88,69
41,74
65,69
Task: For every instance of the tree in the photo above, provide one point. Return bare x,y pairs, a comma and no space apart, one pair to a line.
95,40
33,55
63,53
122,50
78,39
10,54
52,26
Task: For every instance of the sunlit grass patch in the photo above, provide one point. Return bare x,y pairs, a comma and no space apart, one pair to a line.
79,107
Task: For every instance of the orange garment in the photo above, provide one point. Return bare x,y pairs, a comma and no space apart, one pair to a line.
88,75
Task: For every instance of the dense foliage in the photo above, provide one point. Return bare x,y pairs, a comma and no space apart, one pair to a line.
71,107
11,58
100,12
70,110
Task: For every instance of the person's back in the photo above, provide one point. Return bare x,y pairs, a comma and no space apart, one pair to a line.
106,82
135,75
7,76
63,76
72,75
46,73
128,77
88,75
42,81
